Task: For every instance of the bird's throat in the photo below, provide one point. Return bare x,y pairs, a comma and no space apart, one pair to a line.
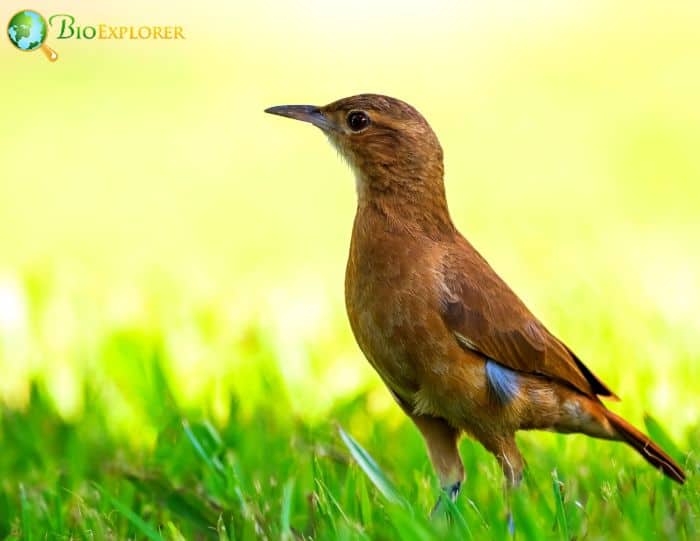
412,211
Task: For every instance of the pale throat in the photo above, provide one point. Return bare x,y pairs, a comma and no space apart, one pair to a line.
345,154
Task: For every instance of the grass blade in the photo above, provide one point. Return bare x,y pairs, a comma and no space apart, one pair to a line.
212,462
454,514
557,488
175,534
285,518
26,520
372,469
221,530
141,525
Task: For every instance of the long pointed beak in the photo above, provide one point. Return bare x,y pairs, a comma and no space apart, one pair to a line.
305,113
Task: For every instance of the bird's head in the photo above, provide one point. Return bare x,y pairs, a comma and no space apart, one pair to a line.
389,144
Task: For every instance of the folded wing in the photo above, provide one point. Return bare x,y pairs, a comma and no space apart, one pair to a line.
486,316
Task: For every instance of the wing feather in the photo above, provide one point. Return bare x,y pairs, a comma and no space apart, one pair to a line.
485,315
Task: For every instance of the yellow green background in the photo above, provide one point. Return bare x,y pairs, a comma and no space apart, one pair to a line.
142,187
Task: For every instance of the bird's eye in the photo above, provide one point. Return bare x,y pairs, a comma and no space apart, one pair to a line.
358,120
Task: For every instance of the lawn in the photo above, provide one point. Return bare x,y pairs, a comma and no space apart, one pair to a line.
255,467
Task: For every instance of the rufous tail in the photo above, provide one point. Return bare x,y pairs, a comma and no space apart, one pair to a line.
651,452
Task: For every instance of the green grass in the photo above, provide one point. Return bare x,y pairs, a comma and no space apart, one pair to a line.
267,472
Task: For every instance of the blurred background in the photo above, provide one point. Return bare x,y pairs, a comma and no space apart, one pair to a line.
149,207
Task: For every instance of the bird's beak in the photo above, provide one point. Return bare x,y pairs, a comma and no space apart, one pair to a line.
305,113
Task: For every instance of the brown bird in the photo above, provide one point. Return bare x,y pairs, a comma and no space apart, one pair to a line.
457,348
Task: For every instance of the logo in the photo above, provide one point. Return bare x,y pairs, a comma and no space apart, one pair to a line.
27,31
68,29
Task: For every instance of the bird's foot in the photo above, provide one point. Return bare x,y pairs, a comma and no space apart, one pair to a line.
451,492
511,523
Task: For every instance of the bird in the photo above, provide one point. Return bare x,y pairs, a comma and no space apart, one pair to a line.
459,351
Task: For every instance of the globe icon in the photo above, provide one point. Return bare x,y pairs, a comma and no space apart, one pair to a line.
27,30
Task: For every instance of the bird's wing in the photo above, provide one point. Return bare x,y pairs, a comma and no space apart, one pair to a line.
486,316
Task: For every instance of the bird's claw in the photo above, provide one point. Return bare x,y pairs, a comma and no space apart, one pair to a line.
511,523
451,491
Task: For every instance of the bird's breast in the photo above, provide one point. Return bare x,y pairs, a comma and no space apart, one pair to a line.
389,293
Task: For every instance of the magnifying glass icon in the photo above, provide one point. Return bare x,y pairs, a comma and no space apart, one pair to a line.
27,31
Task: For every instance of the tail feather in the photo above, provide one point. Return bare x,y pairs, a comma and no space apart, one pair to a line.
651,452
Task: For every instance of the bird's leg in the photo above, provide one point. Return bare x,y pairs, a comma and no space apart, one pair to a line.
450,492
441,439
511,462
508,489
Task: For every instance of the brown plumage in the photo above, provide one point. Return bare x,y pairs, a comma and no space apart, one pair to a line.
456,347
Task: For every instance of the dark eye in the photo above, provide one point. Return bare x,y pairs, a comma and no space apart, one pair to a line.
358,120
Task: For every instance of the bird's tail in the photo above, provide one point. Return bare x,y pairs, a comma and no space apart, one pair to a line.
651,452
